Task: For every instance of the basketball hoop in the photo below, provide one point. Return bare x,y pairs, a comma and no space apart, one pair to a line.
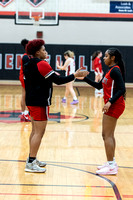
36,19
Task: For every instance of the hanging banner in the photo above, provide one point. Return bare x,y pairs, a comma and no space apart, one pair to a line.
121,7
4,3
36,3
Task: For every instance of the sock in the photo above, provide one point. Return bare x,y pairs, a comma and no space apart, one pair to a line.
111,163
31,159
74,98
26,112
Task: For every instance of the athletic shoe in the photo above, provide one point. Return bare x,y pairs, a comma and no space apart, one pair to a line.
33,167
108,170
63,100
74,102
40,163
25,118
105,165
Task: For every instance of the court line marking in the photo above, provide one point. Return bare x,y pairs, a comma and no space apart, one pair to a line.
44,185
5,160
114,187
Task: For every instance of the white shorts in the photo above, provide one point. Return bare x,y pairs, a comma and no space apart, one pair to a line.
96,73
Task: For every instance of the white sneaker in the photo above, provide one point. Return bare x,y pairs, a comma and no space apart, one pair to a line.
40,163
105,165
108,170
33,167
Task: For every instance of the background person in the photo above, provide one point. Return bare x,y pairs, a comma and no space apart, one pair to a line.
24,112
96,62
69,67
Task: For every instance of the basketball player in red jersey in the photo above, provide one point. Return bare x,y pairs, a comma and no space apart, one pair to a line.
25,114
96,62
39,77
113,85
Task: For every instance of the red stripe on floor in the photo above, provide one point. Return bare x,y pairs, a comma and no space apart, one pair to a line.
57,195
128,196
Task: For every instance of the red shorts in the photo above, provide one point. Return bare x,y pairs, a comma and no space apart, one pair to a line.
39,113
116,109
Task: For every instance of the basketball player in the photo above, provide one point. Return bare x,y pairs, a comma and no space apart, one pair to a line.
39,77
69,67
25,114
96,62
113,85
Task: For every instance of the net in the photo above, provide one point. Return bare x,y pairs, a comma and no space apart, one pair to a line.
44,12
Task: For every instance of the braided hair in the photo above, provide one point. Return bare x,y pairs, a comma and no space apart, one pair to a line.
118,60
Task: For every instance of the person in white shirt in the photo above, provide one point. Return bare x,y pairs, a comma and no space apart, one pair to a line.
69,67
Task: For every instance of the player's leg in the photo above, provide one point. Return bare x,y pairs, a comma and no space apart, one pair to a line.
25,114
66,93
39,121
71,90
96,80
23,106
108,128
39,130
109,124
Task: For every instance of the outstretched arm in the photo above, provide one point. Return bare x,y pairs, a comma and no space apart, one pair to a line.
65,79
97,85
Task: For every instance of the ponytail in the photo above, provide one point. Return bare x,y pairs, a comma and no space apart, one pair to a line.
95,54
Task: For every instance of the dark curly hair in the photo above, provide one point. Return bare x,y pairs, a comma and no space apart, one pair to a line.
24,42
33,46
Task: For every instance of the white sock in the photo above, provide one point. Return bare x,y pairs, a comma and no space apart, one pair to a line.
74,98
26,112
111,162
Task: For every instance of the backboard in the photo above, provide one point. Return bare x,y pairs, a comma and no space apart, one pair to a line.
43,12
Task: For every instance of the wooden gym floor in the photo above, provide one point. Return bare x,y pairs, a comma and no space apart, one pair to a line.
72,148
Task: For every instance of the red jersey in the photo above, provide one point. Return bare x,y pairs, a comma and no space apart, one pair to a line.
108,87
97,64
21,73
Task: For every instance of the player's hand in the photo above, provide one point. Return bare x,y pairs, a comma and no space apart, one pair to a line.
80,78
80,73
57,64
106,107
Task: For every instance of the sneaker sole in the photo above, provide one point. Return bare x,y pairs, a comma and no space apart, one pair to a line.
103,167
109,173
34,171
